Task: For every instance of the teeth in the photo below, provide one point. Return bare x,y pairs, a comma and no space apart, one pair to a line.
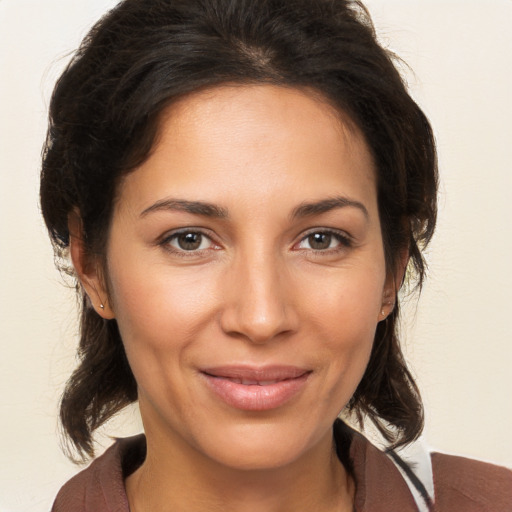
247,382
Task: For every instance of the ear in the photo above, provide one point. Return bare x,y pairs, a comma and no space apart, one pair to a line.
394,281
87,268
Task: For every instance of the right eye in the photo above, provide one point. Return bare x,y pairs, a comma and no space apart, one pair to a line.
188,241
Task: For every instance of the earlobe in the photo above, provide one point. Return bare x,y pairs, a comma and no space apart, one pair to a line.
100,304
388,303
87,268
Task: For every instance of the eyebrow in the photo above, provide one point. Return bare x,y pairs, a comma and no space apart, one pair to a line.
326,205
211,210
194,207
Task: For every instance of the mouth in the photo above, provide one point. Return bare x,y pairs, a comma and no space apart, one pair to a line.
255,389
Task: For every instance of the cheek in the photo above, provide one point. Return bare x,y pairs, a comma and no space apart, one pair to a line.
160,315
343,318
155,303
349,353
346,302
150,317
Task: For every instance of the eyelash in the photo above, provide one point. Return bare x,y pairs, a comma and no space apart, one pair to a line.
165,242
345,242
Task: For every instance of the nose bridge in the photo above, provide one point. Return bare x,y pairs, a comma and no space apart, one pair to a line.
258,304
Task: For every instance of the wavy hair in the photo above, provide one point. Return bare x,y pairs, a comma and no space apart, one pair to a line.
104,118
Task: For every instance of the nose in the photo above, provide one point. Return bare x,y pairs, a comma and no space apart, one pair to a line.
258,300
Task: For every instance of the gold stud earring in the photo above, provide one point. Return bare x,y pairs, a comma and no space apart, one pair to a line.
102,306
391,304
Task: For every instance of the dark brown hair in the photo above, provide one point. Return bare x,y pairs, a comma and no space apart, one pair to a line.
145,54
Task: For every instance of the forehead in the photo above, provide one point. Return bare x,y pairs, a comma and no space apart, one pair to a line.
257,142
252,112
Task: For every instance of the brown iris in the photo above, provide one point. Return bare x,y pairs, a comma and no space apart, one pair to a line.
319,241
189,241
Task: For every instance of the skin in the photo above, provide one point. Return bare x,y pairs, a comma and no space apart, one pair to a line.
259,290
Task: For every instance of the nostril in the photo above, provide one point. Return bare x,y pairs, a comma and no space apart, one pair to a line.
257,328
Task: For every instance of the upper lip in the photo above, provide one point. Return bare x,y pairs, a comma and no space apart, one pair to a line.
256,373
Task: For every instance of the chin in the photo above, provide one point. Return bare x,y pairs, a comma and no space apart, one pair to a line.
264,446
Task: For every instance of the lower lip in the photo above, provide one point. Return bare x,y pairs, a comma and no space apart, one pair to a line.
255,397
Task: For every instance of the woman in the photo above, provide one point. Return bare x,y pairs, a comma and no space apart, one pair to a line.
240,187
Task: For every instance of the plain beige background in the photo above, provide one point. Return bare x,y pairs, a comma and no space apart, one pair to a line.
458,340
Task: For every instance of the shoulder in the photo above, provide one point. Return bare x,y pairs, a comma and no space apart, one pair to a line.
379,484
414,479
100,487
470,485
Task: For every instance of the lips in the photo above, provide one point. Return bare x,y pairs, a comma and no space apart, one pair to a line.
250,382
255,389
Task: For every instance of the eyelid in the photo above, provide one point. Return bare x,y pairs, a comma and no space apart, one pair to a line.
164,240
346,240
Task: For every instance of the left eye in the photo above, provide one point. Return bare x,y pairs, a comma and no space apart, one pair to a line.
322,240
189,241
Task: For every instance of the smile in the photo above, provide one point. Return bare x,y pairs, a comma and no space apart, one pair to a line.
247,382
254,389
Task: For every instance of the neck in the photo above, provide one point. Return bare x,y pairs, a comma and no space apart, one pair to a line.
176,479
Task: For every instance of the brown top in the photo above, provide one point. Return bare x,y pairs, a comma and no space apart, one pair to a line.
461,485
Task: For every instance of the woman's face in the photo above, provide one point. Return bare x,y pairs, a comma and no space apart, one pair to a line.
247,274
